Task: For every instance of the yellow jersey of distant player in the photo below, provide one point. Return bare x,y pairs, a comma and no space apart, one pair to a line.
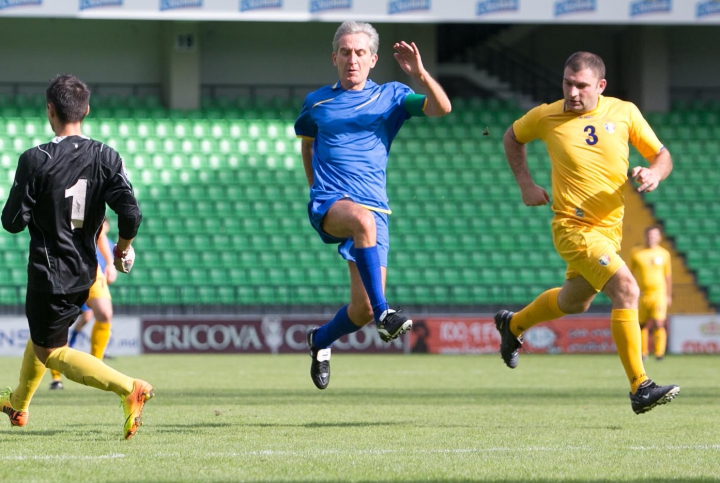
589,155
651,267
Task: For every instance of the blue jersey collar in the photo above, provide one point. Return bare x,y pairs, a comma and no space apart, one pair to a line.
369,84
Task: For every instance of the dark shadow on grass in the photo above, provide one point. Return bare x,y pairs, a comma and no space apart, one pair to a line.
21,433
478,396
390,396
181,428
342,424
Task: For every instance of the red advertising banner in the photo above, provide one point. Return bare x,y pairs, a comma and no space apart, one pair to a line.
269,334
477,335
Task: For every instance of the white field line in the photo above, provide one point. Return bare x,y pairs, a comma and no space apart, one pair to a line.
265,453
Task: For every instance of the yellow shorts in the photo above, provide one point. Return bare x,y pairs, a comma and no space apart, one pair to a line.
653,306
99,289
591,252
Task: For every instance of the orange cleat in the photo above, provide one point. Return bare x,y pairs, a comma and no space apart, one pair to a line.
133,405
17,418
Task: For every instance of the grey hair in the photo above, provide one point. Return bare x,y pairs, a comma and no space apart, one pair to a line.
352,27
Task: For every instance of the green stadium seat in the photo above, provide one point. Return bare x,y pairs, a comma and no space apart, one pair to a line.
224,198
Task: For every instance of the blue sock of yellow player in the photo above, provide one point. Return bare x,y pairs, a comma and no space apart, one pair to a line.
368,265
626,335
31,374
543,308
73,337
333,330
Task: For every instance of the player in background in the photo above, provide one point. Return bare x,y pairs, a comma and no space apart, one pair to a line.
651,266
587,138
99,304
59,193
347,129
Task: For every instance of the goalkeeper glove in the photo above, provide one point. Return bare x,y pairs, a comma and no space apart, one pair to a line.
124,260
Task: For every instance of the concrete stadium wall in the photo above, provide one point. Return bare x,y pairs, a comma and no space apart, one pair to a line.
118,51
102,51
694,54
646,64
254,53
115,51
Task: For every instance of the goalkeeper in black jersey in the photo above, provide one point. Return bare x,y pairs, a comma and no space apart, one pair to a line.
59,193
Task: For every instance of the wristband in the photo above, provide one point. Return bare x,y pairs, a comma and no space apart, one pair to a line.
118,254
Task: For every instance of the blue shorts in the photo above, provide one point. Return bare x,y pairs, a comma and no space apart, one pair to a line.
318,208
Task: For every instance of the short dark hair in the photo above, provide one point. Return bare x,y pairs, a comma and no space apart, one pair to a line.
70,96
653,227
586,60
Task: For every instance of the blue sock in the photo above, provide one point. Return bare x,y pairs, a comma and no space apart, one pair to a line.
73,337
368,264
333,330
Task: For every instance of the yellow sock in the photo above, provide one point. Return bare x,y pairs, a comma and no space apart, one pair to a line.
31,374
89,371
55,375
99,339
543,308
660,341
626,334
644,340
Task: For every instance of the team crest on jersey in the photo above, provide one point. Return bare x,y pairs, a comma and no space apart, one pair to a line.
579,213
605,260
658,260
610,127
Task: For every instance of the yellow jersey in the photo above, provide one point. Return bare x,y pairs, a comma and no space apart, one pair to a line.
651,267
589,156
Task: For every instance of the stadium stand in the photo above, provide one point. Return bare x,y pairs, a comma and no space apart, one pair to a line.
224,197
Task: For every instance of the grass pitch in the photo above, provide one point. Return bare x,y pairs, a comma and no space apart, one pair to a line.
383,418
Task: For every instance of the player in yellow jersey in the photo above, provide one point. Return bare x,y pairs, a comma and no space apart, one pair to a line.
99,304
651,267
587,138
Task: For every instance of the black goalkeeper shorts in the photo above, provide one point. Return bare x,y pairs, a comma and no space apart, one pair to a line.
51,315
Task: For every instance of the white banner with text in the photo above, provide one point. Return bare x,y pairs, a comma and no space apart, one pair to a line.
124,339
694,334
665,12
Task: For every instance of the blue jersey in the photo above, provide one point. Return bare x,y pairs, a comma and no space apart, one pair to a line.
353,132
100,258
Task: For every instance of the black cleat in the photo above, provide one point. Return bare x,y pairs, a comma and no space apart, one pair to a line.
649,395
392,324
320,367
56,384
509,344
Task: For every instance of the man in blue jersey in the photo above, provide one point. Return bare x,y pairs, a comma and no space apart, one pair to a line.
347,129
